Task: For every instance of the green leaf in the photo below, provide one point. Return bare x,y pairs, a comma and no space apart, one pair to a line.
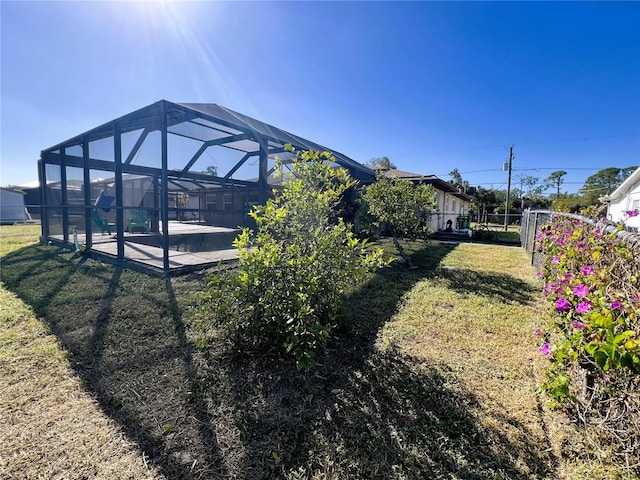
623,336
591,347
602,359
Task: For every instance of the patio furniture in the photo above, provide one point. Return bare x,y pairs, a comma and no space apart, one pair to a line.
102,223
138,221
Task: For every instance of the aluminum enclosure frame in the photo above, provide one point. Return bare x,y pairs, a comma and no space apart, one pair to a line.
68,170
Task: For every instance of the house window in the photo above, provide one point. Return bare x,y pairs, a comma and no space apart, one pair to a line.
211,201
228,201
454,207
636,205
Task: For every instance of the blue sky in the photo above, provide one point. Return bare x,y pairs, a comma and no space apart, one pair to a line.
433,86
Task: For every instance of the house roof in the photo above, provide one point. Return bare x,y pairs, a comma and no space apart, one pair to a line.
437,182
17,191
624,187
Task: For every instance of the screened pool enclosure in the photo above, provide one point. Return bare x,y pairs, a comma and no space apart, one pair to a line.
166,187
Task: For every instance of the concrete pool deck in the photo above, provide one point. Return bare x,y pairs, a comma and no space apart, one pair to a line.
151,256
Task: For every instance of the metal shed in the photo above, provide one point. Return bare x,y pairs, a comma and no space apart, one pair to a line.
12,207
165,187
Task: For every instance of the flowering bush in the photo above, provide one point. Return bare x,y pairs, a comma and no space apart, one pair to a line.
591,284
591,331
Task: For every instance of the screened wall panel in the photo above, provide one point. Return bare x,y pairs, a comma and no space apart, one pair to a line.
111,185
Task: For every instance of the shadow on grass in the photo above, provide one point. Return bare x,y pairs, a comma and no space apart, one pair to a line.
126,340
502,286
364,413
360,413
373,415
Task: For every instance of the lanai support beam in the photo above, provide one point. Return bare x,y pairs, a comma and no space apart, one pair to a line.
63,196
117,155
88,227
239,164
263,170
211,143
164,191
137,145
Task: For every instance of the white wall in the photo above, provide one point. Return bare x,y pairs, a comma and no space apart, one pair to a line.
446,201
624,199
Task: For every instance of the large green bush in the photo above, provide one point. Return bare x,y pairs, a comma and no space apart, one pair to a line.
591,332
297,266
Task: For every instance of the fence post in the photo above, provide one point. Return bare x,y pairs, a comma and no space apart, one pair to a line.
533,243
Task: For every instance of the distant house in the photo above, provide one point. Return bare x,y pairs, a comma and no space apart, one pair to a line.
452,203
624,202
12,208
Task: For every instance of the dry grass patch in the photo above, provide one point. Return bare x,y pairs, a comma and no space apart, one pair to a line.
51,427
473,320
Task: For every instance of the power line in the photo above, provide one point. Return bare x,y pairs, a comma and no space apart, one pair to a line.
540,142
560,168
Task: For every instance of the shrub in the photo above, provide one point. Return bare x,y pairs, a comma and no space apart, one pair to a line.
296,268
591,334
402,207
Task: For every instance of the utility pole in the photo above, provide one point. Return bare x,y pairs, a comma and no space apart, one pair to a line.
506,207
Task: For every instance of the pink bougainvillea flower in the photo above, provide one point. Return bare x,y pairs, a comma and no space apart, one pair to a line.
586,270
632,213
583,307
538,333
580,290
578,325
555,260
580,244
566,277
545,350
616,306
562,304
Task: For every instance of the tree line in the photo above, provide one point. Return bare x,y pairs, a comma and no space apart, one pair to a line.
535,193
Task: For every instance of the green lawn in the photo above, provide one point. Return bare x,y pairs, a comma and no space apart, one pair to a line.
435,377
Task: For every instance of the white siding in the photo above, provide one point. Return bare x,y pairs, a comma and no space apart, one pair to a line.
624,199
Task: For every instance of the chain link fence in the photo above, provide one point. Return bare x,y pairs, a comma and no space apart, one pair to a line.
532,220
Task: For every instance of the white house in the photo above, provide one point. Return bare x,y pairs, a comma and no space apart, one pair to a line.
452,203
624,202
12,207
